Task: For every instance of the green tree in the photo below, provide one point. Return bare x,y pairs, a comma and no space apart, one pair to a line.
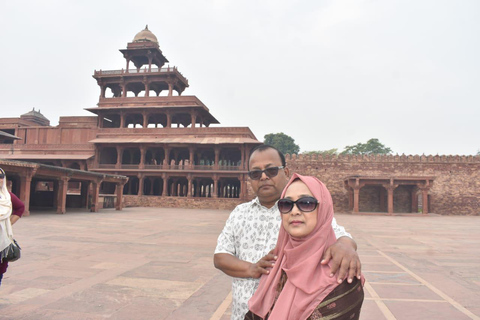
373,146
282,142
330,152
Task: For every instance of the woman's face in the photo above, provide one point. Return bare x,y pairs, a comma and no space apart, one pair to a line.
297,223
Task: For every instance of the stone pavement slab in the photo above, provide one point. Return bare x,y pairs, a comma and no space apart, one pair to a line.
157,263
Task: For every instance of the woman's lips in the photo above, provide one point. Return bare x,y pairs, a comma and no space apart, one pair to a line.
296,222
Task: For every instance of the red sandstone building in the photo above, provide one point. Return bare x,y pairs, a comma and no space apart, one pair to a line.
146,130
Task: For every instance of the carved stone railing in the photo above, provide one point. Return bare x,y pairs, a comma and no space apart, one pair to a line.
142,71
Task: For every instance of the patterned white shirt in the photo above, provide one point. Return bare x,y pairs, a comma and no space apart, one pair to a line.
250,233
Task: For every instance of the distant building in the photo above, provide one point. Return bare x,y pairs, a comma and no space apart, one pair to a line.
144,129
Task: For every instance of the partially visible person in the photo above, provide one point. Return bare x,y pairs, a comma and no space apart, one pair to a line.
11,209
244,248
298,286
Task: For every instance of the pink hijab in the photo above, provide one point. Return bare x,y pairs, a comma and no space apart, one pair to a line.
308,281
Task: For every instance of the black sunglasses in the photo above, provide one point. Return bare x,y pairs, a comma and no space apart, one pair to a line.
270,172
305,204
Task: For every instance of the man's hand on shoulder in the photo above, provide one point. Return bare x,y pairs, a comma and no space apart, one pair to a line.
263,265
343,258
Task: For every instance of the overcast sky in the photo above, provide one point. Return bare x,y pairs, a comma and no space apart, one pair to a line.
327,73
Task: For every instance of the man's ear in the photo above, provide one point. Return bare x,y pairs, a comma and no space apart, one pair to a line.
287,172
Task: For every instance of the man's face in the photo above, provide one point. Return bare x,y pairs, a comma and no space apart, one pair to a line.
268,189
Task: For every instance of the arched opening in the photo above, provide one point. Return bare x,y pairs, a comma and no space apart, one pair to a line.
155,156
230,157
134,120
183,119
110,121
179,156
108,155
204,157
157,121
152,186
131,187
177,187
131,156
203,188
228,188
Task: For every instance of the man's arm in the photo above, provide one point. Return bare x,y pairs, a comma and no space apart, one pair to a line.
235,267
226,259
342,255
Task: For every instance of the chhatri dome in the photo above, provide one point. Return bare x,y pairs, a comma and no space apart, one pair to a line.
145,35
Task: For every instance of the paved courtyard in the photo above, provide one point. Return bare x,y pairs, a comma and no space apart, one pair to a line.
151,263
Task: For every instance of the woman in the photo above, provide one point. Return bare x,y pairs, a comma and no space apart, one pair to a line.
298,287
11,209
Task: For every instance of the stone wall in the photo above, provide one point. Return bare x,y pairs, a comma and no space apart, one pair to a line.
455,191
180,202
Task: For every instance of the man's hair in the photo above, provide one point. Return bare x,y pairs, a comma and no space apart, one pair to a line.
264,147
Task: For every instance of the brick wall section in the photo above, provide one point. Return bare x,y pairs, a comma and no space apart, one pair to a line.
455,191
180,202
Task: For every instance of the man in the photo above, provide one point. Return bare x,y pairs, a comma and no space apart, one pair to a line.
245,246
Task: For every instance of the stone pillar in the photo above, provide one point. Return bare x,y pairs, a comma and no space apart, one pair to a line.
103,89
191,151
150,58
390,188
145,119
167,158
350,199
165,185
356,194
25,185
414,200
122,119
118,165
169,119
189,190
390,199
425,203
141,179
194,119
243,186
170,89
95,195
147,88
215,186
119,192
62,195
100,120
143,151
124,90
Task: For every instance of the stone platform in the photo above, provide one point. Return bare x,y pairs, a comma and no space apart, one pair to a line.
151,263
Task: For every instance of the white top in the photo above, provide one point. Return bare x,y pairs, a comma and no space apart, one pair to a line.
250,233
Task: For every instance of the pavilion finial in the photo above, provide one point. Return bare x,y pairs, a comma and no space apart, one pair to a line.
146,27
